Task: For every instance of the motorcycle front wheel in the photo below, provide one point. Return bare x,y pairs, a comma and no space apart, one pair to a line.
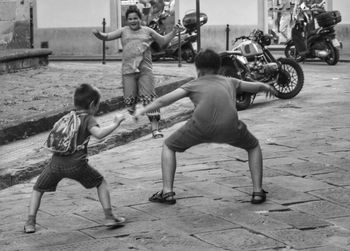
290,80
243,101
291,52
333,57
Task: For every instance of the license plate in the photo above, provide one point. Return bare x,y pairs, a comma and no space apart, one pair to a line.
335,42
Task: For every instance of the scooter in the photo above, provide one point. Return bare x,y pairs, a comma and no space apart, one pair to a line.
187,41
308,42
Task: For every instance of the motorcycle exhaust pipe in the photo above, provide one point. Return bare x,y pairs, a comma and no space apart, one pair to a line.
321,53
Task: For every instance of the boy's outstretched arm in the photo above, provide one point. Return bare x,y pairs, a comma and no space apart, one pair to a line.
107,36
162,101
100,133
254,87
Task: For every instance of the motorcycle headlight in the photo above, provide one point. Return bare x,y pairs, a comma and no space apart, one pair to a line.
266,40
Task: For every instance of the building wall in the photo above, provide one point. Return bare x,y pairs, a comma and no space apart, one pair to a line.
14,24
67,31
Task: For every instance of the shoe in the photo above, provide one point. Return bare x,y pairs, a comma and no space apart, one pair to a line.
164,198
29,228
258,197
157,134
116,222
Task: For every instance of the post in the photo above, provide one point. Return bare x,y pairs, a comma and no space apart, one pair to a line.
104,42
198,26
179,45
227,36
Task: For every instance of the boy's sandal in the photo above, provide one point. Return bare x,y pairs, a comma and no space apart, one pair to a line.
164,198
157,134
258,197
29,228
116,222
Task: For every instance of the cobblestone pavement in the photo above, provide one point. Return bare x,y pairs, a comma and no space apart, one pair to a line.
30,93
306,146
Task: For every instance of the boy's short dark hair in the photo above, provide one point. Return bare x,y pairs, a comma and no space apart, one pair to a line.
208,59
84,95
133,9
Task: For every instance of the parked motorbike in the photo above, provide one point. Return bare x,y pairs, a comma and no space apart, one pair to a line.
188,38
311,42
251,60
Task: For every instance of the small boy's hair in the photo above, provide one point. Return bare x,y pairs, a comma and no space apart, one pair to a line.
208,59
84,95
133,9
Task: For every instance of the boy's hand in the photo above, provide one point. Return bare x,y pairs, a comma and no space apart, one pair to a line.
99,35
269,90
119,118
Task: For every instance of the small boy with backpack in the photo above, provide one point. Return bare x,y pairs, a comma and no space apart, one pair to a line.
68,141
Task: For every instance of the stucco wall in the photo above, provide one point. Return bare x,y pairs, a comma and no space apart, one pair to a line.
14,24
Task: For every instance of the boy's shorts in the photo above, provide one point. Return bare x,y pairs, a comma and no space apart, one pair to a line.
60,168
188,136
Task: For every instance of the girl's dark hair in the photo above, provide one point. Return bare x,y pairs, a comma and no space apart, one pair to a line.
133,9
84,95
208,59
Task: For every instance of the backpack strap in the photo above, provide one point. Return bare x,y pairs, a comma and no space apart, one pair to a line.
82,145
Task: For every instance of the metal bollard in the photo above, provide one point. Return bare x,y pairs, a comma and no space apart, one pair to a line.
104,42
179,44
227,36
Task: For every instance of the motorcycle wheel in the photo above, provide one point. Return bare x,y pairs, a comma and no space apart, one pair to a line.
243,101
291,52
333,57
188,55
290,80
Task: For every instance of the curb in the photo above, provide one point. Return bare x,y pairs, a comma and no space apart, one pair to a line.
25,173
31,126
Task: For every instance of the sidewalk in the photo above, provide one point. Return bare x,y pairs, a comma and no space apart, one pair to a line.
306,147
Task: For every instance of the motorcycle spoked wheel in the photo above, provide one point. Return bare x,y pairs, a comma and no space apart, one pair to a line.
291,52
290,80
244,99
333,57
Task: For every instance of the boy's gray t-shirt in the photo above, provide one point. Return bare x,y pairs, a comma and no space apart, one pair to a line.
214,98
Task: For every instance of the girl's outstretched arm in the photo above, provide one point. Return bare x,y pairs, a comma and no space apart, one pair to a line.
107,36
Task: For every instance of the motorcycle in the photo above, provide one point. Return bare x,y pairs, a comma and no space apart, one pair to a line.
310,42
251,60
188,38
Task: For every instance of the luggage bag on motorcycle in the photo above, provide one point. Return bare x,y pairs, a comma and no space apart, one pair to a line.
328,18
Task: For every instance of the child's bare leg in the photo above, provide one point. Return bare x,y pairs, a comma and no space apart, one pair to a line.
34,205
105,200
255,166
168,168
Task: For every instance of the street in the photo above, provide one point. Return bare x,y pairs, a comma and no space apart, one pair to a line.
305,143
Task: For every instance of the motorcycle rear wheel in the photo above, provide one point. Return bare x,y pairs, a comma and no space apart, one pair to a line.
333,57
290,80
291,52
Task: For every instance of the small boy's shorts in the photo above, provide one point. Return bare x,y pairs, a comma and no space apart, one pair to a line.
188,135
61,167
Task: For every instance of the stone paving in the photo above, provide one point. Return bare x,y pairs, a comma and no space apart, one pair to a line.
306,146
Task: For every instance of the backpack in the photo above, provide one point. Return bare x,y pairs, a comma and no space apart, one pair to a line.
63,136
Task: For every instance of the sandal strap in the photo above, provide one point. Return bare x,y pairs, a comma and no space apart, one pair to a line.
167,195
262,193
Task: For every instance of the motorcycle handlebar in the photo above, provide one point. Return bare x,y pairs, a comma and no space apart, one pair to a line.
242,37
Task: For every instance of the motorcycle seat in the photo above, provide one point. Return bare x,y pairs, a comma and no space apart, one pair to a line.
230,53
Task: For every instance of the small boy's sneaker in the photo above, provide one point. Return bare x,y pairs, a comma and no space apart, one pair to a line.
29,228
117,221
